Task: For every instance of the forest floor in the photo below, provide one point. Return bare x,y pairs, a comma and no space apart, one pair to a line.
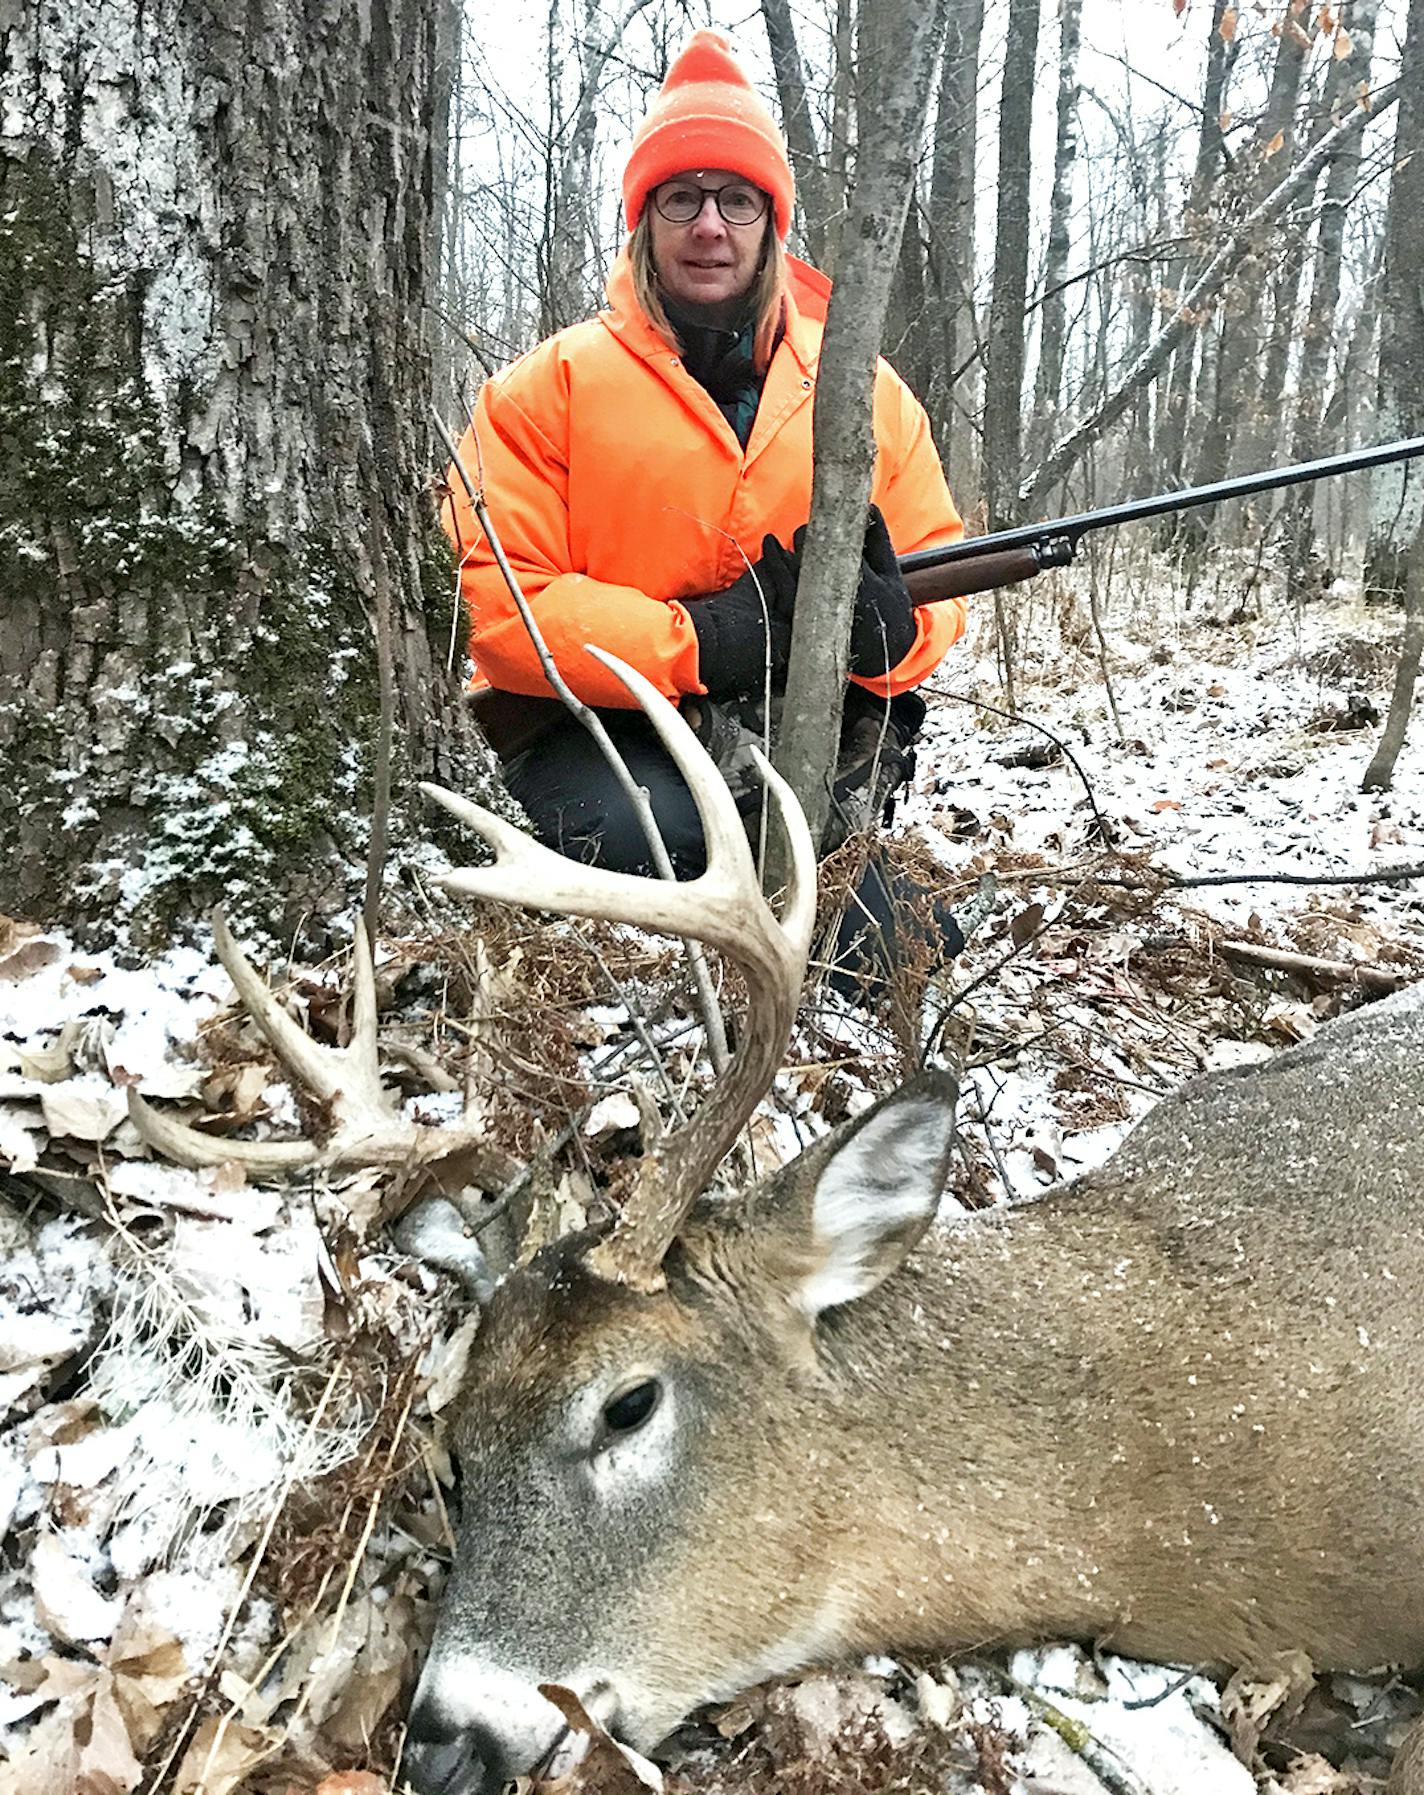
220,1501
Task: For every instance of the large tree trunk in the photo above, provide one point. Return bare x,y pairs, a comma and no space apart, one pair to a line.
1003,387
215,231
1397,493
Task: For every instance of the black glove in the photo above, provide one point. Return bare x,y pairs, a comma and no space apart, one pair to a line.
736,628
882,631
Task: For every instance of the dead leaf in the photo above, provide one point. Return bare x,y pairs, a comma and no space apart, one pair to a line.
1327,20
27,958
69,1607
1227,27
1167,804
82,1115
1276,144
239,1750
1343,46
1179,7
1224,120
1251,1703
1026,924
235,1092
607,1768
47,1065
353,1782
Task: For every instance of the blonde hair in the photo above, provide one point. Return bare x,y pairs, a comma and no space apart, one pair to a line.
768,292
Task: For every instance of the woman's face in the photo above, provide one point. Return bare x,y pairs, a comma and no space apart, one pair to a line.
707,262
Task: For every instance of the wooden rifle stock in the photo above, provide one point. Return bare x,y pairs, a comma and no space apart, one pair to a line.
979,573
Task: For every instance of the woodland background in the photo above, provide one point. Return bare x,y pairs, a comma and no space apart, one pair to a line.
224,311
1147,245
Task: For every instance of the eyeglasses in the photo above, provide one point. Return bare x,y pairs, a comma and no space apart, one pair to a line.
682,201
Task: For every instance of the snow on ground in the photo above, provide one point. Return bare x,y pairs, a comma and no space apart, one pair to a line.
166,1337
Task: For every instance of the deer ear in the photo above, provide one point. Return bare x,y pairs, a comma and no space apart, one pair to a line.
875,1192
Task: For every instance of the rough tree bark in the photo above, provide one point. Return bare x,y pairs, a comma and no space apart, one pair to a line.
215,232
897,41
1397,494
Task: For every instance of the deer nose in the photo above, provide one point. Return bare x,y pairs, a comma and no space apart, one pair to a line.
443,1758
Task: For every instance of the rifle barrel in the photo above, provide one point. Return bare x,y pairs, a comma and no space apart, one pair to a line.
1070,529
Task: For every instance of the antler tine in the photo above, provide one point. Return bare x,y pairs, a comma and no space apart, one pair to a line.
364,1049
302,1056
366,1129
723,907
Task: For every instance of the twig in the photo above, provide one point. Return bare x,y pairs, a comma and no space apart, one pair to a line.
1104,828
636,795
1387,875
1111,1772
1153,1701
1375,977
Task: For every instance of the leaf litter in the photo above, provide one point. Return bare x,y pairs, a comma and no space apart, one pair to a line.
221,1489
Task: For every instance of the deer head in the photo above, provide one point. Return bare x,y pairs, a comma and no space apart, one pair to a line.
634,1401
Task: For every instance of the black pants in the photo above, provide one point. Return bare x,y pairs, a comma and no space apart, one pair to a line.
578,807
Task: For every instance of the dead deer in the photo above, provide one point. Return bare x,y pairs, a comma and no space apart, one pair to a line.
1176,1407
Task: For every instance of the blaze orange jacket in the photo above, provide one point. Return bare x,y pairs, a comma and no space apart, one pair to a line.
617,488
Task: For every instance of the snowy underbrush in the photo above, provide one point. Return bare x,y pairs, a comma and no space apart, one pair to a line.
220,1468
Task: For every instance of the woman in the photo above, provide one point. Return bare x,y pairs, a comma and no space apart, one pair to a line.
647,472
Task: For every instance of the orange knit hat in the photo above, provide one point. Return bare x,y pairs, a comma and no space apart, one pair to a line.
708,115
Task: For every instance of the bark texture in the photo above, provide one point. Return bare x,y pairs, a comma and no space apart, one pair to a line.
215,230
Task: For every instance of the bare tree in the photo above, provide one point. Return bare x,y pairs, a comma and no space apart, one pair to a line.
1242,301
1347,71
1397,494
898,39
1379,775
950,247
1053,318
799,124
1003,386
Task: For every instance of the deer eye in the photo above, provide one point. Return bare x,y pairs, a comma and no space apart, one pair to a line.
626,1412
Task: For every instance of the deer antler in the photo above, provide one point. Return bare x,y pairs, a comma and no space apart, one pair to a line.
367,1129
723,907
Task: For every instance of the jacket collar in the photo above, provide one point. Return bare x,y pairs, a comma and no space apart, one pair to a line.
807,291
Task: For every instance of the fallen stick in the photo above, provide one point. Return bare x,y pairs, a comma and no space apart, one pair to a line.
1376,977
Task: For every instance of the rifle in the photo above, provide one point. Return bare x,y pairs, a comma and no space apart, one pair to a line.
980,563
